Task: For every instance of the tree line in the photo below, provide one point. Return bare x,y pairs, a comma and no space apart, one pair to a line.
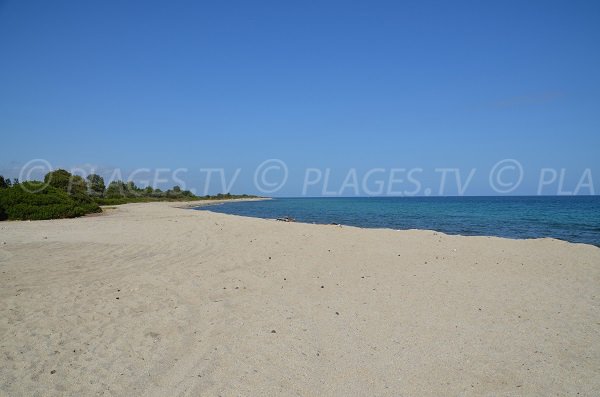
64,195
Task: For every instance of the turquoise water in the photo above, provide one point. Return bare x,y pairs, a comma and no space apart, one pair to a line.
570,218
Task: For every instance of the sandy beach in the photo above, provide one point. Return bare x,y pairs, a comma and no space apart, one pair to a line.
155,300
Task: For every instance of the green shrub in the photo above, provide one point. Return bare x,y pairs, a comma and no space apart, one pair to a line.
60,179
120,189
33,201
95,185
64,195
65,181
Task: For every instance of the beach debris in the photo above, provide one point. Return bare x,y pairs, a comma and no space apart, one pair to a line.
338,313
286,219
273,331
322,286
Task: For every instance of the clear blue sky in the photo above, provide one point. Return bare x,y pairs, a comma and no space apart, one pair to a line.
334,84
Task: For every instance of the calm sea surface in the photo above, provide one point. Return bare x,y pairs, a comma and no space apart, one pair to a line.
570,218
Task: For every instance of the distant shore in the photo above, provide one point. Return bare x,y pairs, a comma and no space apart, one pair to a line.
150,299
204,203
574,219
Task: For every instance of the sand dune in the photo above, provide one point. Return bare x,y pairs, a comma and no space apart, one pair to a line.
155,300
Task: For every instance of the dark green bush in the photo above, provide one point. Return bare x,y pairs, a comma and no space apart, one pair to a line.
65,181
64,195
33,201
95,185
120,189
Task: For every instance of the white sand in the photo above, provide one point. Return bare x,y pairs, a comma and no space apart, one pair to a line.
355,312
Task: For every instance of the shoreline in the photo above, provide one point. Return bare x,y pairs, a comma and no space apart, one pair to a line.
152,300
205,203
386,228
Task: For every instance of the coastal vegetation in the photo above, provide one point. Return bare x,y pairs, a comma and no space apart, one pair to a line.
63,195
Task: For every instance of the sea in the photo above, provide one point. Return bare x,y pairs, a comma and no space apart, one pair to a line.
570,218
